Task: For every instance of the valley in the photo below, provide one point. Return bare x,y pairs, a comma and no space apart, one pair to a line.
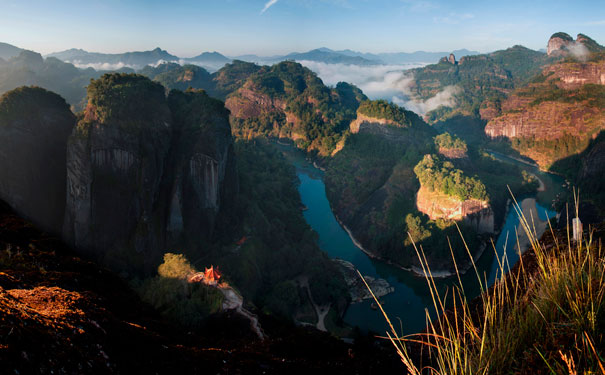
233,200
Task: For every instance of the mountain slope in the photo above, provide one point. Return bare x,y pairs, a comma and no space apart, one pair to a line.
7,51
556,114
107,61
63,314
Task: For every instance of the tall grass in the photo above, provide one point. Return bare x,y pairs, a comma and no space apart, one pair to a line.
546,316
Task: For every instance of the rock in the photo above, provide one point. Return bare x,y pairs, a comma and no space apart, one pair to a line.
115,163
558,43
202,157
357,288
474,212
452,59
34,127
145,172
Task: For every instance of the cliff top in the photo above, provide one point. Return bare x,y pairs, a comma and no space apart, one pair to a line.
29,101
130,101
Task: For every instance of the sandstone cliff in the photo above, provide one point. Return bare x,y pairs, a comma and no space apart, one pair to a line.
115,164
144,171
34,127
556,114
476,213
377,126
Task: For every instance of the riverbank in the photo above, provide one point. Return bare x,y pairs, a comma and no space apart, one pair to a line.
438,274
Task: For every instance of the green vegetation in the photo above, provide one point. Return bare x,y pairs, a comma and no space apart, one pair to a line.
279,248
382,109
171,294
321,114
590,94
118,99
447,141
443,177
28,102
547,316
175,76
477,78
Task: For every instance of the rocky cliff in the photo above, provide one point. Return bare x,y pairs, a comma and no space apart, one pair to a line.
34,127
202,170
476,213
143,171
288,100
556,114
377,126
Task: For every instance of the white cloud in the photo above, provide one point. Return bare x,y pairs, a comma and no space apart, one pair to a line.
579,51
268,5
389,82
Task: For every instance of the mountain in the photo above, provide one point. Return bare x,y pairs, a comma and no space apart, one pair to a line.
212,60
144,170
289,101
181,77
395,58
330,57
7,51
29,68
106,61
34,127
475,78
560,110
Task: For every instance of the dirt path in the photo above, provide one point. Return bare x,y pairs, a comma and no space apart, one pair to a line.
233,301
320,311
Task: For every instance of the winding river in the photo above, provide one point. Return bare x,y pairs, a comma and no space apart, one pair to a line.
406,306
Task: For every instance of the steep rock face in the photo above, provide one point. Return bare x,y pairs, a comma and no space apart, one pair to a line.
558,43
145,173
203,174
549,120
34,127
378,126
474,212
574,75
250,103
555,115
115,164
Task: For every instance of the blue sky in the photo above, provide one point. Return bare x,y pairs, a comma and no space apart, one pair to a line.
233,27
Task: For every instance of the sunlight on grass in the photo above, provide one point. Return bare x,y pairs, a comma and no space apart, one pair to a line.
545,316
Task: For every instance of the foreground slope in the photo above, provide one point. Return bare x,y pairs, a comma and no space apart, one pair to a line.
63,314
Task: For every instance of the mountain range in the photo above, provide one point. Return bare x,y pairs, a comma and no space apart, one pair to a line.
215,60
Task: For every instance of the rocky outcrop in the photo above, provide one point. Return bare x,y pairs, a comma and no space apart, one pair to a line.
557,111
549,120
476,213
248,103
562,44
378,126
34,127
571,76
202,172
145,172
115,165
558,43
453,153
357,288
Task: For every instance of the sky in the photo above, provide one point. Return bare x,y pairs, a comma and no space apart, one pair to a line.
270,27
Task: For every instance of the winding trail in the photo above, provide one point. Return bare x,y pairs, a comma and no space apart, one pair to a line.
233,301
320,311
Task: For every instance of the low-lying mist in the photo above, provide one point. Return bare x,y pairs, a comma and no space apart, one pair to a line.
388,82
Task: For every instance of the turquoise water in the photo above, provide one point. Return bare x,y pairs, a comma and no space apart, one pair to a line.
406,305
